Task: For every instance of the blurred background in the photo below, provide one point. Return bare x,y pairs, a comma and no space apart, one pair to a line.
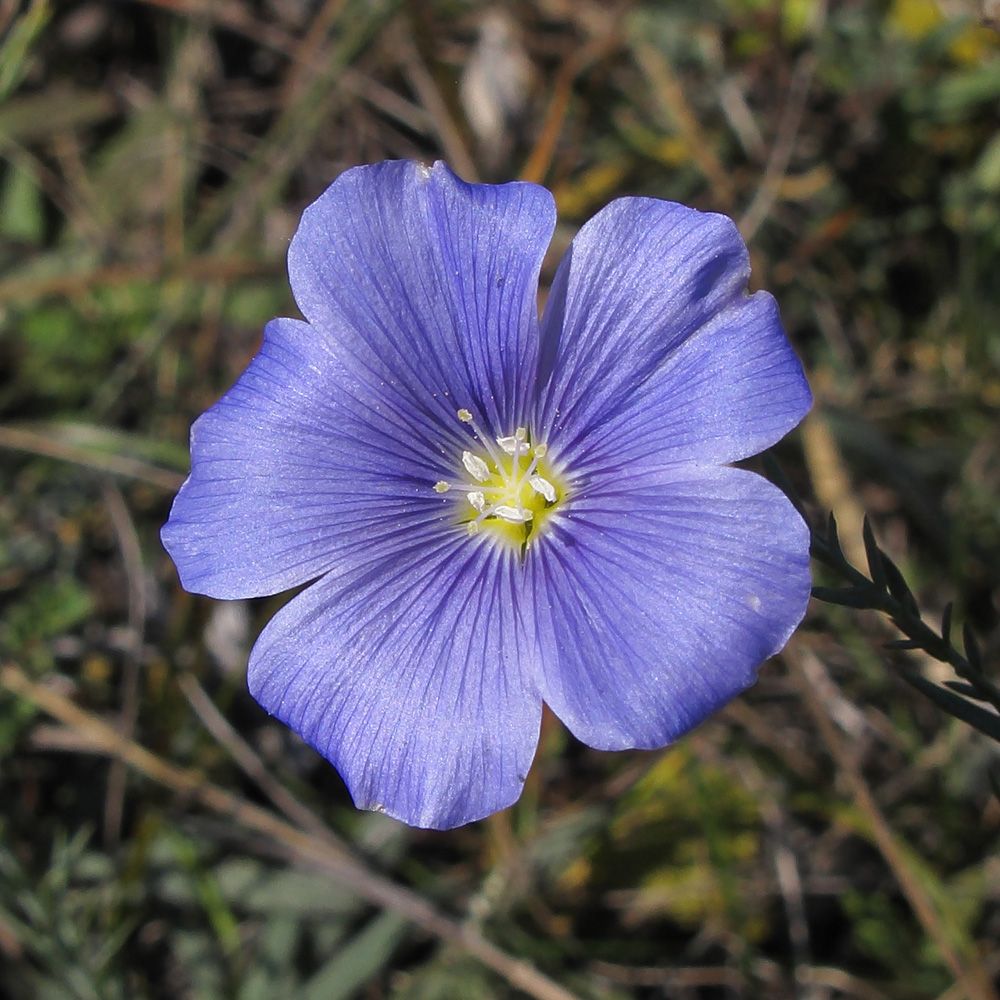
830,834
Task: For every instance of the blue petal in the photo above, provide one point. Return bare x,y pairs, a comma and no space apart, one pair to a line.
413,672
658,598
295,465
431,284
651,348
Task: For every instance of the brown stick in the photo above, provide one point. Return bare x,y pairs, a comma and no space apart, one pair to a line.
292,842
970,976
36,443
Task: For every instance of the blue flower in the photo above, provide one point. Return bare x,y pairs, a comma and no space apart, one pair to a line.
496,512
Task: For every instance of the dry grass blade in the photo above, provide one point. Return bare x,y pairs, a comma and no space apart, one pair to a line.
966,969
248,761
781,153
537,166
131,554
35,443
298,845
455,148
29,288
668,93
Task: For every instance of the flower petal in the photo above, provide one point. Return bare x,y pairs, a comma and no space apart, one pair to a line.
658,598
413,673
291,467
431,284
651,346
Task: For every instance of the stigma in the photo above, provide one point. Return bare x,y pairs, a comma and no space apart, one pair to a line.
505,485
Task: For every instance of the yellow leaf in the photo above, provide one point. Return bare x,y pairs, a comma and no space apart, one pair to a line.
577,197
913,19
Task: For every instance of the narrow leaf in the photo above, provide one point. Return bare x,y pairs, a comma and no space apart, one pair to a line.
359,961
986,722
969,690
849,597
874,555
833,540
972,653
776,474
904,644
898,586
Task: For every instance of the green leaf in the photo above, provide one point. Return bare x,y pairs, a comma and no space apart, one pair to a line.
987,169
15,53
362,957
21,211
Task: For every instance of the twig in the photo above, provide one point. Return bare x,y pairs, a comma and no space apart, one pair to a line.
8,9
992,965
236,18
971,976
771,737
666,89
784,143
35,443
249,762
455,149
294,843
840,981
671,977
306,57
537,166
205,269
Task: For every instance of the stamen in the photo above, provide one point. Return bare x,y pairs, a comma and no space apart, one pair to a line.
515,515
488,445
475,466
512,444
544,487
500,486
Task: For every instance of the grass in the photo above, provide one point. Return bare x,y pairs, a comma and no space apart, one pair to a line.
830,834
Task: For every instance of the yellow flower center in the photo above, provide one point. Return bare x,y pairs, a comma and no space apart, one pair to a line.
510,490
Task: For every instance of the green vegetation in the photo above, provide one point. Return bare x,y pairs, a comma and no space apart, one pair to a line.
831,834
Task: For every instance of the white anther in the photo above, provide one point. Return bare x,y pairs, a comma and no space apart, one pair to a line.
465,416
514,515
478,500
475,466
540,450
514,443
441,486
543,486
